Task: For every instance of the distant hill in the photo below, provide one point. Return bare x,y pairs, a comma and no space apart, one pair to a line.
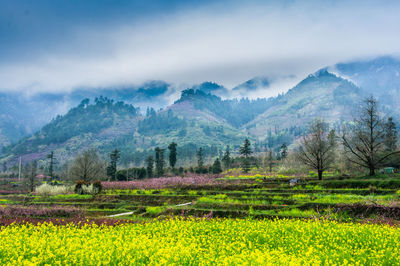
22,115
211,87
87,125
198,118
322,94
253,84
379,77
105,125
234,112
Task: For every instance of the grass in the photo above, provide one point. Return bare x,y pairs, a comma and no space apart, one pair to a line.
155,209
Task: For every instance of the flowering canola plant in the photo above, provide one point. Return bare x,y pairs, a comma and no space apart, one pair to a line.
202,242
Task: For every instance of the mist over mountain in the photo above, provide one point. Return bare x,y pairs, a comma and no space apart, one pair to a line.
211,87
252,85
22,115
137,119
379,77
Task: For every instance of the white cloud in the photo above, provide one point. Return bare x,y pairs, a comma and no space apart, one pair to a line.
215,43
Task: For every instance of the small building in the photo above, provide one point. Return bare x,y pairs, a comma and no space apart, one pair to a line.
388,170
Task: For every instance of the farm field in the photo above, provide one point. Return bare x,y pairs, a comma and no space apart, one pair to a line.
203,219
357,199
202,242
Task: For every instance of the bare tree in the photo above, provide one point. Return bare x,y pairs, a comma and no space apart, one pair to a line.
32,175
269,160
365,143
317,148
88,166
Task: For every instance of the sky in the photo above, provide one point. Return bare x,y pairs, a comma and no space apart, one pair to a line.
57,46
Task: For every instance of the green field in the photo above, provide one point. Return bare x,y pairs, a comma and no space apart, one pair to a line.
202,242
204,220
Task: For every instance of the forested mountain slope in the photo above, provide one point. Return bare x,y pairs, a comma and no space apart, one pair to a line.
199,118
322,95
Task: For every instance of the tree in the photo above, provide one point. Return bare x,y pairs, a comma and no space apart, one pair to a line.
245,151
284,151
365,143
226,159
390,135
5,167
159,161
112,166
51,163
270,160
31,175
216,168
149,166
317,148
200,162
172,154
88,166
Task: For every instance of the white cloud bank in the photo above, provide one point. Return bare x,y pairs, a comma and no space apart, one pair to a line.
227,45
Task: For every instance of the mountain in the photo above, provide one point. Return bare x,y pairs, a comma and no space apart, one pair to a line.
87,125
379,77
253,84
234,112
22,115
322,94
198,118
153,94
106,125
211,87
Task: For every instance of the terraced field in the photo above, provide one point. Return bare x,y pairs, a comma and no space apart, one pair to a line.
342,199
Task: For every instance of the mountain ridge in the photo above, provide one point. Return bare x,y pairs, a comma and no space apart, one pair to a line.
200,118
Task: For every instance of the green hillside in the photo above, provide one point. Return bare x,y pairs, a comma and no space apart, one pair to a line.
323,95
197,119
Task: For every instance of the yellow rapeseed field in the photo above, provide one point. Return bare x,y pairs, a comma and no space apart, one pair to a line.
202,242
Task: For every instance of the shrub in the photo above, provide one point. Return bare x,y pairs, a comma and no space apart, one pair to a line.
372,189
88,189
49,190
97,186
81,187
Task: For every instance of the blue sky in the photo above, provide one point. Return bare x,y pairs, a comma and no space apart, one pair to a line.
48,45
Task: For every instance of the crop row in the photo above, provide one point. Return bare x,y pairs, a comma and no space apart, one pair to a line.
202,242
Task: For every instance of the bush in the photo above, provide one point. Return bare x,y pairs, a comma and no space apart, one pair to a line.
372,189
49,190
81,187
97,186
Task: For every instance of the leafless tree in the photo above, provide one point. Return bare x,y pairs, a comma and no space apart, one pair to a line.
269,160
88,166
364,143
317,148
30,171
